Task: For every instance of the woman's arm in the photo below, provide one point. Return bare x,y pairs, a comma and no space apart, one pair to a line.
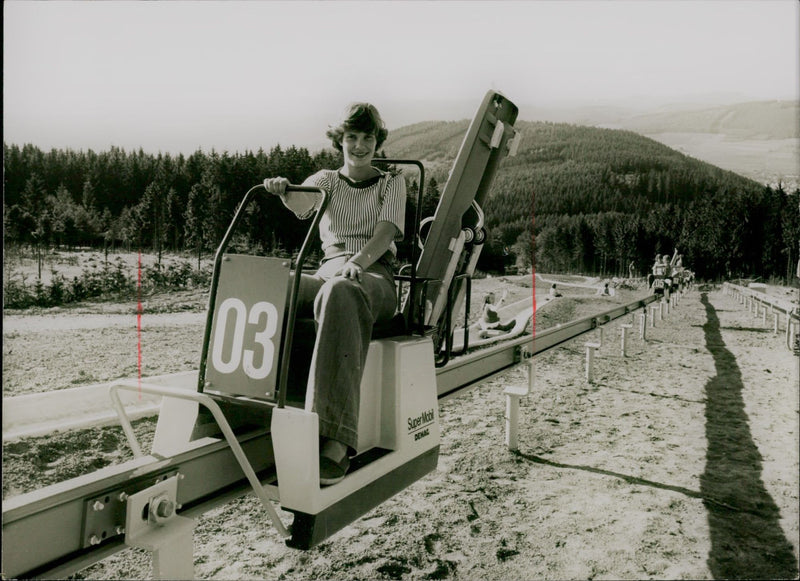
375,247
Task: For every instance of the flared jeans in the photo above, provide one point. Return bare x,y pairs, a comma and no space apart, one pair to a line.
344,312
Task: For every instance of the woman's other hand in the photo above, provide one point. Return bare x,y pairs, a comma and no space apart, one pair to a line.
351,270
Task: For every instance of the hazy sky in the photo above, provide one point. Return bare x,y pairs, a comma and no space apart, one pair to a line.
175,76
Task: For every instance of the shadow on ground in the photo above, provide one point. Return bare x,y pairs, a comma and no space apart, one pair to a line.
746,543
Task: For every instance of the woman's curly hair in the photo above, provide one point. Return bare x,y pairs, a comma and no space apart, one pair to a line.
359,117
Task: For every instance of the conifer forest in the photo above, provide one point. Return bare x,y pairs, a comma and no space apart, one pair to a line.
575,199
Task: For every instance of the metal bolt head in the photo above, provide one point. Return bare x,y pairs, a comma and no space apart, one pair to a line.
123,496
164,508
94,540
98,506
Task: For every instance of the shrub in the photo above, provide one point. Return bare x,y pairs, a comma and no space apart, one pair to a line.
15,294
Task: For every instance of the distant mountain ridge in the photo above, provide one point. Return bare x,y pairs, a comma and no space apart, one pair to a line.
754,120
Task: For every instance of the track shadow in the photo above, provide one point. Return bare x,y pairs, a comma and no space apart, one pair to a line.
628,478
749,329
650,393
744,544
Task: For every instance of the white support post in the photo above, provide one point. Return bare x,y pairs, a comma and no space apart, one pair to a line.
764,317
661,310
600,342
512,421
653,309
513,394
151,523
624,329
643,325
174,558
590,349
777,318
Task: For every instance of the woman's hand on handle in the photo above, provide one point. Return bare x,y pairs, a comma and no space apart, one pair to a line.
276,186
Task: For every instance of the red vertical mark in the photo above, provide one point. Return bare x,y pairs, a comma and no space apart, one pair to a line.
533,263
139,323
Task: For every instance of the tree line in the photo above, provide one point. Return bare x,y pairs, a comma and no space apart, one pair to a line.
574,199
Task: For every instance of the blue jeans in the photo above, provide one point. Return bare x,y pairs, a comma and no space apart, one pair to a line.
344,311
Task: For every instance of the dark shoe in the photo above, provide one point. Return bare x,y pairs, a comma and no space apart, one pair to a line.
331,471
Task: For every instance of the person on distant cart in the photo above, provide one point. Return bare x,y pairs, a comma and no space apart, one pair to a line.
676,266
658,275
490,322
354,286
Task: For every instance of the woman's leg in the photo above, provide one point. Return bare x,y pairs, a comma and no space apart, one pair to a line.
345,312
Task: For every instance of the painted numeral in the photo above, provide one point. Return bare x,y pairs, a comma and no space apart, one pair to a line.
238,355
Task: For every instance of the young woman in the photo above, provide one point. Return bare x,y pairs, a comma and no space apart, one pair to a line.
354,286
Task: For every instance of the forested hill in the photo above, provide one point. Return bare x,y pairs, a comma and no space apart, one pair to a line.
601,199
577,169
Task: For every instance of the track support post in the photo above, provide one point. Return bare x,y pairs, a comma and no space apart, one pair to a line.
513,394
643,325
152,524
624,328
590,349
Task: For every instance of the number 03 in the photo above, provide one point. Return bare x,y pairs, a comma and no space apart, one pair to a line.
238,355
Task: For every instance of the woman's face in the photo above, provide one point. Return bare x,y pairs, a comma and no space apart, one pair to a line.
358,148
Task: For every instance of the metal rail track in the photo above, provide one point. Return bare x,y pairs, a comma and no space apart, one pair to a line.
45,531
755,300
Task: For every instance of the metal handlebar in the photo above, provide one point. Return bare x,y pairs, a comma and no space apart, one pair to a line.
286,352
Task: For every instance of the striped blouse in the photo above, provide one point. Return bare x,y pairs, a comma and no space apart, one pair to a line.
354,209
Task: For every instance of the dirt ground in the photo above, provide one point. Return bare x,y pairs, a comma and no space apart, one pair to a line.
679,461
